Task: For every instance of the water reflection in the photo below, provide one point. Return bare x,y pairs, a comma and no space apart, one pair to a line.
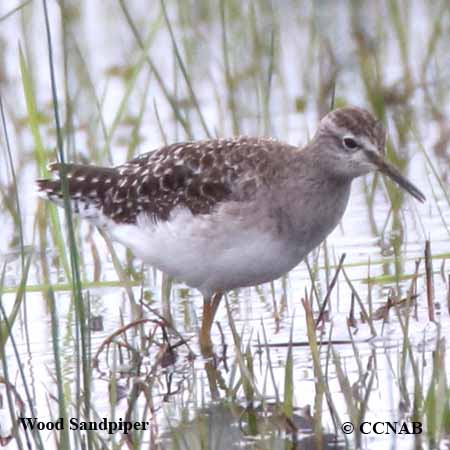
226,426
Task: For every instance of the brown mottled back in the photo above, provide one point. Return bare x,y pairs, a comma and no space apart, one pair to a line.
197,175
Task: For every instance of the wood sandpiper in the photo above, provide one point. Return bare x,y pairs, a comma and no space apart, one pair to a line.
221,214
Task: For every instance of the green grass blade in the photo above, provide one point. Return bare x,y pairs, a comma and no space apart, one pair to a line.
20,295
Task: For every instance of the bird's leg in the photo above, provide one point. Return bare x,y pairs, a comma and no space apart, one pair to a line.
210,306
216,302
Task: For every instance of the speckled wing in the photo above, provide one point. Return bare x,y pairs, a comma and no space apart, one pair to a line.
196,175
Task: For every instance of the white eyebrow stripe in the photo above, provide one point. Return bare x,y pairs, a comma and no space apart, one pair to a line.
367,144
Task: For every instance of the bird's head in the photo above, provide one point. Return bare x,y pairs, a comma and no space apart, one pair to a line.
354,143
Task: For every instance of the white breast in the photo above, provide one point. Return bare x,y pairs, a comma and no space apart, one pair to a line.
225,250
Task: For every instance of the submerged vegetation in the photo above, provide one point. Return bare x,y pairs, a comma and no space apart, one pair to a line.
356,334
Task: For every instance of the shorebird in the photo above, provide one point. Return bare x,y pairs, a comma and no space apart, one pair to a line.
221,214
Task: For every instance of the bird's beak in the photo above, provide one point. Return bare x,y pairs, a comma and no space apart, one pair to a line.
394,174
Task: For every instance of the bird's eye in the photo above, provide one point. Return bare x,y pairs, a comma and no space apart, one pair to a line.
350,143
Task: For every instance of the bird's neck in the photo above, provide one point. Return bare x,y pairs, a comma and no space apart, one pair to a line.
320,200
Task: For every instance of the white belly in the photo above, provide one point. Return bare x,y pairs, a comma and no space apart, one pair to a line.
217,252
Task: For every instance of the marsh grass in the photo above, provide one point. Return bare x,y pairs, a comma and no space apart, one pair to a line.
225,69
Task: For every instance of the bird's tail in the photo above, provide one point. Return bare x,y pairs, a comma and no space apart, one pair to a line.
88,188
